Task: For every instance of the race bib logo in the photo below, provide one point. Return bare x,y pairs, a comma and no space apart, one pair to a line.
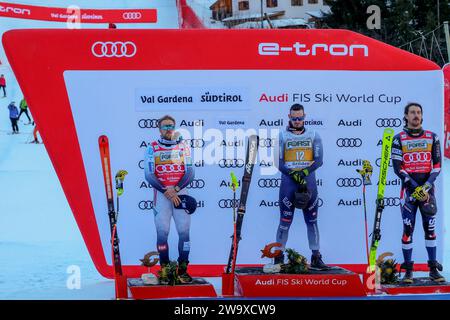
291,144
417,157
169,168
416,145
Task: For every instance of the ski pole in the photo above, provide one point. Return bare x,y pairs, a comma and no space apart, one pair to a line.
366,173
120,177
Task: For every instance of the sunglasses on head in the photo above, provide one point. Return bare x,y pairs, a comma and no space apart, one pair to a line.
298,118
168,127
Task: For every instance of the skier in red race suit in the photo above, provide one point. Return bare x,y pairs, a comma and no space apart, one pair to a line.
416,158
168,168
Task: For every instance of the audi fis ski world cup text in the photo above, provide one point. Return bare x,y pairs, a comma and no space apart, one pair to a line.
321,97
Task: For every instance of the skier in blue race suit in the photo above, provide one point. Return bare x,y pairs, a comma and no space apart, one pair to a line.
300,154
416,159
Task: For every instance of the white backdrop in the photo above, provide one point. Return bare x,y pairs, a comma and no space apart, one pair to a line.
109,102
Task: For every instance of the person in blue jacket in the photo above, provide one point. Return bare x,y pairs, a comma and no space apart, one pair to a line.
14,117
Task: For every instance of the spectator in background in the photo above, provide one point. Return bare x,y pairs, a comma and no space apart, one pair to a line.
35,132
14,117
24,109
3,84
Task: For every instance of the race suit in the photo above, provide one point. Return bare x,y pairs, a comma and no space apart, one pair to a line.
169,164
417,161
297,152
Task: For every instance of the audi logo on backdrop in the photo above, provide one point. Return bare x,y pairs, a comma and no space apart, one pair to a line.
116,49
231,163
148,123
266,142
378,161
196,184
228,203
195,143
145,205
269,183
388,122
131,15
391,202
348,182
349,142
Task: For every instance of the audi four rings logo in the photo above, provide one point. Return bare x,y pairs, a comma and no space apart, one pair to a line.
145,205
165,168
231,163
196,184
269,183
148,123
417,157
116,49
195,143
378,162
131,15
228,203
348,182
391,202
388,122
266,142
349,142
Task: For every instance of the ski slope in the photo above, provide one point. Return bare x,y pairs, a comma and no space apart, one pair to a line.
39,240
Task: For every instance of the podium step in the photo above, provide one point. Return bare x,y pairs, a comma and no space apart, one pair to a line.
198,288
336,282
421,285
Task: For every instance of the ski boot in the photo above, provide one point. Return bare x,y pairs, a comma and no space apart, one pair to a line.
434,273
317,263
163,274
279,259
408,267
182,272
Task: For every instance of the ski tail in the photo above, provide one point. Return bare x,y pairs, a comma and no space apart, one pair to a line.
388,136
252,151
107,178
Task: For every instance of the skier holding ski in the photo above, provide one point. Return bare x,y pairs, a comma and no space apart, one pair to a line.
299,156
416,158
169,170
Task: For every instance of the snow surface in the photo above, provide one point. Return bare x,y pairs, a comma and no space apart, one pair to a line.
39,239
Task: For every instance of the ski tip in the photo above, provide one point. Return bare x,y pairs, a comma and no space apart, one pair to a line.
102,139
389,131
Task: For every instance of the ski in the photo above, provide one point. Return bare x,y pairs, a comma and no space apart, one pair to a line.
386,147
103,144
252,150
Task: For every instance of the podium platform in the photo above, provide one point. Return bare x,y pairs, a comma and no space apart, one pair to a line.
336,282
422,285
199,288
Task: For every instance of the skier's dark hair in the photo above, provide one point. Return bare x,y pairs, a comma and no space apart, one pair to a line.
166,117
409,105
297,107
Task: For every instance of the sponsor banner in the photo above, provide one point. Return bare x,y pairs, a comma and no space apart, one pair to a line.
71,14
446,141
367,95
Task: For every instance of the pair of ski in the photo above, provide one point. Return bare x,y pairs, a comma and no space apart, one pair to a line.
388,136
121,289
